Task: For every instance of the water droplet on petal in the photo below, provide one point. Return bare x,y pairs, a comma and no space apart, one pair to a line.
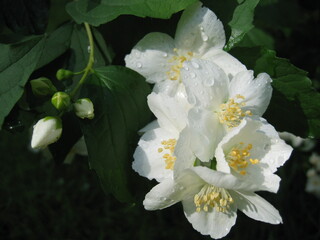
186,68
137,54
201,28
165,55
209,82
181,188
204,36
163,198
139,65
191,99
193,75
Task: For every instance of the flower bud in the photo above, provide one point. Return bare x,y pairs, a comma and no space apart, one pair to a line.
64,74
42,87
60,100
84,108
46,131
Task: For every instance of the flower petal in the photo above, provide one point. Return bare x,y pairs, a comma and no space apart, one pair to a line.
170,111
198,30
183,152
148,162
229,64
257,91
256,207
206,84
170,191
205,132
222,180
150,126
213,223
150,57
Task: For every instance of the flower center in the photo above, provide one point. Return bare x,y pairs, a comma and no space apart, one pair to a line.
239,158
212,197
231,113
169,159
177,63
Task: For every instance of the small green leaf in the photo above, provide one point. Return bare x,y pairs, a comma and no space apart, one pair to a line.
241,22
295,103
119,96
17,63
103,11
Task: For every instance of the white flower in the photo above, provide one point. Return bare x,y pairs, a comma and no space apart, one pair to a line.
46,131
83,108
199,34
154,156
210,200
252,152
220,104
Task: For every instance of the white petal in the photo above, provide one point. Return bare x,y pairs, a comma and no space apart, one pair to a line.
229,64
199,29
148,162
183,152
213,223
150,126
257,92
206,84
170,111
171,191
205,132
151,55
256,207
222,180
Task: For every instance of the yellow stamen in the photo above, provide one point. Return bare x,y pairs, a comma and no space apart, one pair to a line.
238,158
177,63
169,159
231,113
211,197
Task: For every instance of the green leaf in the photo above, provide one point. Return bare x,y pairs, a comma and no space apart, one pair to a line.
17,63
56,44
257,37
119,96
103,11
241,22
295,103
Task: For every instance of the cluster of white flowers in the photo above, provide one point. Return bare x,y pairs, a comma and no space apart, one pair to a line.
209,147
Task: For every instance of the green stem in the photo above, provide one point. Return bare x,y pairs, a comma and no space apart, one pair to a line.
90,61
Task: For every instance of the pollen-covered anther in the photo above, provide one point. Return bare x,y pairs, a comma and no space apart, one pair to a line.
177,63
239,158
231,112
211,197
168,145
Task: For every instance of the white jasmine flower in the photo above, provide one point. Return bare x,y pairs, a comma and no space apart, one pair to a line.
159,57
252,152
46,131
220,104
154,157
210,200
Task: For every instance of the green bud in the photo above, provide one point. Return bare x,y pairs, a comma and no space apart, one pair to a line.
64,74
83,108
60,100
42,87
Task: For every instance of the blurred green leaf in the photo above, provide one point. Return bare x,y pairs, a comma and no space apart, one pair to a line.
17,63
103,11
257,37
25,17
295,103
241,22
119,97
